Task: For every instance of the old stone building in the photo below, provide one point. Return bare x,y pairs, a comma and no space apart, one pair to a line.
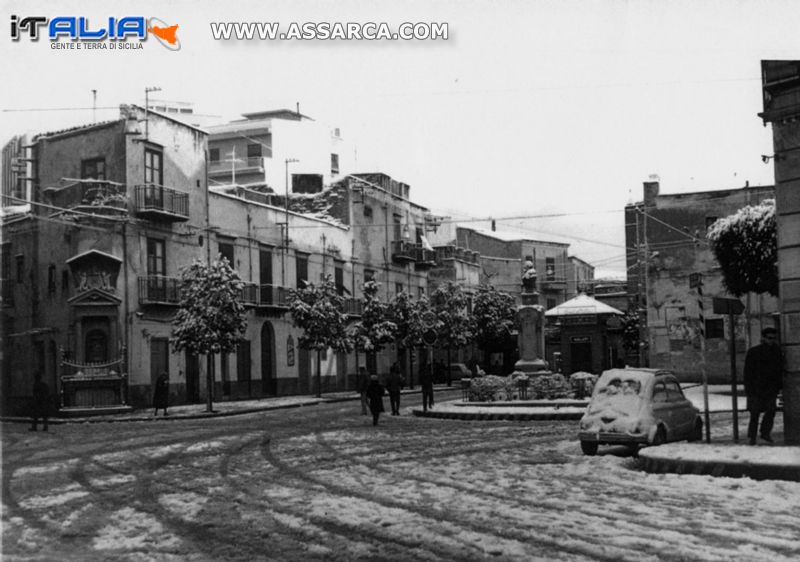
665,237
117,207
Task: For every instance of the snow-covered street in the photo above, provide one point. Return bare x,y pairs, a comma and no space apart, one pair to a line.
323,484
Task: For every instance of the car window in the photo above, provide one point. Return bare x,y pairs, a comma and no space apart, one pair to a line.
660,393
674,393
621,386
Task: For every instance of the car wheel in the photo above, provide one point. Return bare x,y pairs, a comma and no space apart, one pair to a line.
697,432
589,448
660,437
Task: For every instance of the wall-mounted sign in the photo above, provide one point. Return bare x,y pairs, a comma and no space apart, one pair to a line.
290,351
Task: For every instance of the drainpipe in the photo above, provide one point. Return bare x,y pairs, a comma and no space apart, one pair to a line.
125,309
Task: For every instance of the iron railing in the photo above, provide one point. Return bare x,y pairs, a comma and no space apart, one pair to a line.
158,201
158,289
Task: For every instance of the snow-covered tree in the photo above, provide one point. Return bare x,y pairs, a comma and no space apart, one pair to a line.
746,246
319,311
407,314
494,315
453,327
211,317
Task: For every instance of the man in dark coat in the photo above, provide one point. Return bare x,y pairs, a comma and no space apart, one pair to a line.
375,393
361,384
426,382
41,402
161,393
394,384
763,379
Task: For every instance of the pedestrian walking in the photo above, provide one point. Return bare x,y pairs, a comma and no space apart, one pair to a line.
426,383
362,382
40,407
375,392
394,384
161,393
763,380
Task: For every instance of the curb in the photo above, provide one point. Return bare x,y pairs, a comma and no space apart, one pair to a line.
470,416
658,465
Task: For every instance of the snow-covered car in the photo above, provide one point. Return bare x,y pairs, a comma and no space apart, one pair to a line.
638,407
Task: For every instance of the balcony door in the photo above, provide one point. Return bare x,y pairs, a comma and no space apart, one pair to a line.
156,270
265,275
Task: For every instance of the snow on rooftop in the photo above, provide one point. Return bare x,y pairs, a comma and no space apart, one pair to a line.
580,305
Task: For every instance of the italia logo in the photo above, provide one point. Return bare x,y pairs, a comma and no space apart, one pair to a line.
80,29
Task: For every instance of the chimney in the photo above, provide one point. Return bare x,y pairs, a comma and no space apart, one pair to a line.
651,191
494,225
298,109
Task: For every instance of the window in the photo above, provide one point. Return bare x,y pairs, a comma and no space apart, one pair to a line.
20,268
398,288
265,267
156,257
710,221
420,292
213,155
301,270
93,169
550,267
715,328
227,252
64,281
660,393
369,275
334,163
253,151
153,167
674,392
551,303
338,278
398,227
5,265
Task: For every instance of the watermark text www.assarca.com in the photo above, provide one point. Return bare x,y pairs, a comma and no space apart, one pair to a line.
328,31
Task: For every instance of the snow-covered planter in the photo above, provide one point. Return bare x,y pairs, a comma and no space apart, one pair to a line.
490,388
582,384
548,387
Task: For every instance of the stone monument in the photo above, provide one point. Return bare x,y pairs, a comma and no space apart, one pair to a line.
531,334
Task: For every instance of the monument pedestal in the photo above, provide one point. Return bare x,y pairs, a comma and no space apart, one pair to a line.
531,336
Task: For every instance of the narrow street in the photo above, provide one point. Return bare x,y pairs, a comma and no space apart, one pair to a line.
321,483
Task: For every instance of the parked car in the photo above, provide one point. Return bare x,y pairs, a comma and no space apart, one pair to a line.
636,407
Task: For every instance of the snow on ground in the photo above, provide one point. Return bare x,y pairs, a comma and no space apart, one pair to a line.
129,529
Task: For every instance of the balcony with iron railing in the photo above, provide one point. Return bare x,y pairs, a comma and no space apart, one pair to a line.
158,289
90,196
251,294
424,257
402,251
158,203
272,296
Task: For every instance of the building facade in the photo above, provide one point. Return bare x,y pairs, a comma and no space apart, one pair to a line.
276,151
666,238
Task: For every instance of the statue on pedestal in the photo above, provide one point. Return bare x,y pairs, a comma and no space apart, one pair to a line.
531,334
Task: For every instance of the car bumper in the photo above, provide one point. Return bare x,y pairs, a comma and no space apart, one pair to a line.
608,438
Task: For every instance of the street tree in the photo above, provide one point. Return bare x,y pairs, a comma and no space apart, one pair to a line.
454,326
211,317
494,317
373,331
407,314
746,246
318,310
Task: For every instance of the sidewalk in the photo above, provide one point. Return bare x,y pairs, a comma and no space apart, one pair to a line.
223,408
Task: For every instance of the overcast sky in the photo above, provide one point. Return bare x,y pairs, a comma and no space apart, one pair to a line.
528,108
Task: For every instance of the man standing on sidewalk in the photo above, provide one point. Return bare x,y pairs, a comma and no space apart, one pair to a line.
763,379
394,385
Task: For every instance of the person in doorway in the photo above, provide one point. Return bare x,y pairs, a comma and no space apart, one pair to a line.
426,383
375,394
161,393
394,385
763,380
41,402
362,382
